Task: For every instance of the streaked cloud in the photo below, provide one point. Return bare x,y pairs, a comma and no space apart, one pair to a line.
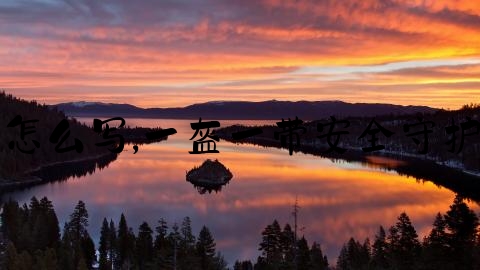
163,53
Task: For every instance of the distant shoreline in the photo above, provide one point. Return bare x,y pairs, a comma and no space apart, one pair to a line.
461,181
240,110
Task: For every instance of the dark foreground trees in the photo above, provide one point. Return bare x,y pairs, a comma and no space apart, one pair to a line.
34,242
453,243
280,250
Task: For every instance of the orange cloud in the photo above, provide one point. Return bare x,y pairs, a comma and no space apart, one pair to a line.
237,50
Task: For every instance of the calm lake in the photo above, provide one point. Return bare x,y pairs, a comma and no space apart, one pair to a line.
338,200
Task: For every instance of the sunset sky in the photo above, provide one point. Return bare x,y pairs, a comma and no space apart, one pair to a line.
174,53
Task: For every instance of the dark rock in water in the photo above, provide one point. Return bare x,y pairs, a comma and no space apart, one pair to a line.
210,176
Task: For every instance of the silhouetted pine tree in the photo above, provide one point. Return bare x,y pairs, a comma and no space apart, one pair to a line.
78,238
287,242
162,246
104,247
354,256
436,249
186,253
89,256
206,249
113,247
144,246
66,252
126,245
303,255
343,259
318,260
51,223
174,238
271,245
404,247
379,259
462,224
77,226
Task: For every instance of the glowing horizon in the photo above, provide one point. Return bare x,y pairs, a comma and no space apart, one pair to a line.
177,53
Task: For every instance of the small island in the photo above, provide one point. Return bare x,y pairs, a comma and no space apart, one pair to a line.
210,176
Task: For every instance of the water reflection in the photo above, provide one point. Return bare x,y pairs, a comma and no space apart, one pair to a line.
59,172
378,162
338,200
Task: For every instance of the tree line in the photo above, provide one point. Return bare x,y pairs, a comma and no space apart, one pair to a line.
34,241
453,243
14,162
447,136
36,136
280,249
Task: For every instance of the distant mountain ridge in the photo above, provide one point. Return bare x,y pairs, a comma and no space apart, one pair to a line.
264,110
